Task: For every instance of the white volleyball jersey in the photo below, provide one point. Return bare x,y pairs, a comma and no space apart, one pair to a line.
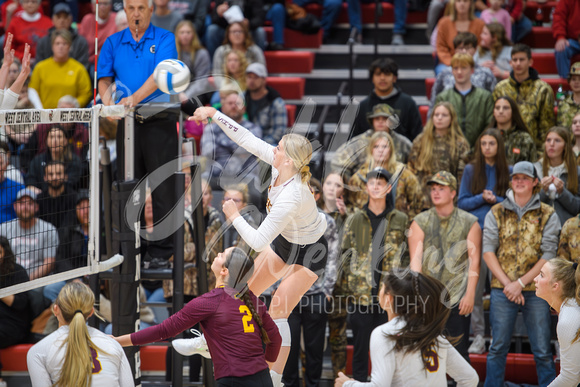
110,366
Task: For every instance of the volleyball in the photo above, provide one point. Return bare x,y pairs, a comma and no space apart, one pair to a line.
171,76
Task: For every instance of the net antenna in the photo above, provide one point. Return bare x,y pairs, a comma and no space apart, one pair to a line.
89,116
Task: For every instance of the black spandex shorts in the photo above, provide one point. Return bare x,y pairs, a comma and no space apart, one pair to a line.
312,256
259,379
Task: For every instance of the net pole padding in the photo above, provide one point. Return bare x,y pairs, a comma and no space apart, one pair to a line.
178,270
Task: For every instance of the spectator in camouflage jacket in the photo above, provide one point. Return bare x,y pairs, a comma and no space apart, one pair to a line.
406,192
534,97
349,157
570,106
519,144
520,234
373,243
445,243
569,245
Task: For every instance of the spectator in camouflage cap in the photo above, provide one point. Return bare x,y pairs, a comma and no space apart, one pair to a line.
570,106
352,155
445,243
373,243
520,234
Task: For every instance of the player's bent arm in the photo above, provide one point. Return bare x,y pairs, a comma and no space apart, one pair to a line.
272,226
416,238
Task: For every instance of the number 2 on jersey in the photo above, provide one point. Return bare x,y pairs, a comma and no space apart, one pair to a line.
248,327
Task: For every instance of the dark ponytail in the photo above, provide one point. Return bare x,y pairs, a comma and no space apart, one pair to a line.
241,268
421,302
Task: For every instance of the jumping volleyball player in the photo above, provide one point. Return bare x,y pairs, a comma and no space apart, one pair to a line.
291,237
77,355
235,321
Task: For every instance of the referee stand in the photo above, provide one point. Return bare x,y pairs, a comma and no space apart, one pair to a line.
129,195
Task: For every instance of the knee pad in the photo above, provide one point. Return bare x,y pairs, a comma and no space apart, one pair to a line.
284,329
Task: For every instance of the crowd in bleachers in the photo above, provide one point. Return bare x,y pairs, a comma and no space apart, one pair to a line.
485,79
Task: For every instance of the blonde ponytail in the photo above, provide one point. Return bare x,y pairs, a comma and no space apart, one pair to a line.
299,150
75,302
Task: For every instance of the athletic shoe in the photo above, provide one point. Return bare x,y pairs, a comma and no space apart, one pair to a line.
397,40
478,345
188,347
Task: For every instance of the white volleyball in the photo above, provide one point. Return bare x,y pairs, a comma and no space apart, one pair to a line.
171,76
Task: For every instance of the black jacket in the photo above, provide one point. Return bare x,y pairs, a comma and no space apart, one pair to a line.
405,107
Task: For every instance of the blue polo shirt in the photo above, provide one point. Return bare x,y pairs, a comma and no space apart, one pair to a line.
131,63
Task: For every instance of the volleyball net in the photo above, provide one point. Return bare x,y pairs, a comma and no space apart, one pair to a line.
50,196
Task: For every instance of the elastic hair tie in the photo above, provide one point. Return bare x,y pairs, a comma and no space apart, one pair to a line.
242,291
574,266
78,311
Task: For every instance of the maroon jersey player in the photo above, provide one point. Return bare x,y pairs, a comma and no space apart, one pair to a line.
234,320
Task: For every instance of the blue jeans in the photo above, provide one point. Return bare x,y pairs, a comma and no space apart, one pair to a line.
521,28
400,14
51,291
440,67
502,319
330,11
563,57
277,15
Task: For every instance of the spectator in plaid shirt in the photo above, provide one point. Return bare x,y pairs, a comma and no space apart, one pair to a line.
264,105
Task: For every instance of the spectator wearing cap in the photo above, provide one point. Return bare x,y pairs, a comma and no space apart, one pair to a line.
445,243
473,105
373,240
351,156
9,188
566,32
62,19
28,26
56,202
107,27
570,106
33,240
383,73
264,105
406,192
520,234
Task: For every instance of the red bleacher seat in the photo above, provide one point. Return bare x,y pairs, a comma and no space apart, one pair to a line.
153,358
291,112
368,13
289,88
544,62
540,37
429,82
296,39
289,61
14,358
423,110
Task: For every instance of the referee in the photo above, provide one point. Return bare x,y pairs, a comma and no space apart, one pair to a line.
128,59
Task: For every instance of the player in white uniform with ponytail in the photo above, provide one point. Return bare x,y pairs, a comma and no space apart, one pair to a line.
290,240
77,355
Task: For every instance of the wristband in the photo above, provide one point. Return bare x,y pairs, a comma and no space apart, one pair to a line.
521,283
